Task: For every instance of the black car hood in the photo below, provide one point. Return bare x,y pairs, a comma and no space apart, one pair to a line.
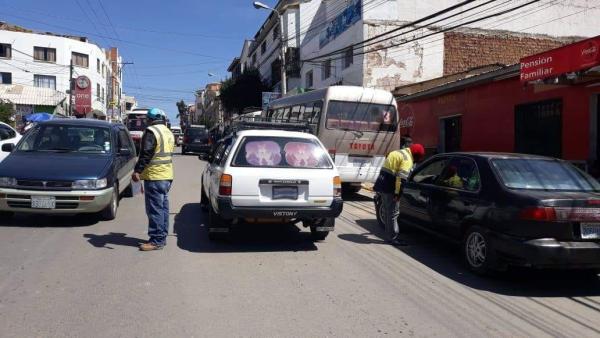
54,166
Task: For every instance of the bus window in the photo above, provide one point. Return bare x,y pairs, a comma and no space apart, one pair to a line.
361,116
316,112
295,113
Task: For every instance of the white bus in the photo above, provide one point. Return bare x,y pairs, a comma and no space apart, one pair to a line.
358,125
136,122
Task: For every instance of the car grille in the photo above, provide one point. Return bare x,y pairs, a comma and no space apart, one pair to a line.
44,185
27,205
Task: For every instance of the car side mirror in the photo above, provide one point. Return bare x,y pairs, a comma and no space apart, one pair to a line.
8,147
124,151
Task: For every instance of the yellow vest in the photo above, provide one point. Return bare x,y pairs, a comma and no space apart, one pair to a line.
161,165
398,165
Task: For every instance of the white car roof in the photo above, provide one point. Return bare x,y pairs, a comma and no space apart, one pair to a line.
276,133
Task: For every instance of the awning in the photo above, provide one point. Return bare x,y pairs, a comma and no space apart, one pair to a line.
29,95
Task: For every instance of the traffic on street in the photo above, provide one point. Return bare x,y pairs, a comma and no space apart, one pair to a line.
361,168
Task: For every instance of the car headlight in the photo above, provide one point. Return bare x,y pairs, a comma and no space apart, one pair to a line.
90,184
8,182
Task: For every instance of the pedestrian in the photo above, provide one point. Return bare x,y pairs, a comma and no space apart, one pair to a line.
397,166
155,167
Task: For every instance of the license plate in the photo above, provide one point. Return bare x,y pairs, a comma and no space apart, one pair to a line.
43,202
285,193
359,162
590,230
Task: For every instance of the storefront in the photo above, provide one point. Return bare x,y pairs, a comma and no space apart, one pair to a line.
546,105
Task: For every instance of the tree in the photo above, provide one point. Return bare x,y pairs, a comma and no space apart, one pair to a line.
181,108
242,92
6,113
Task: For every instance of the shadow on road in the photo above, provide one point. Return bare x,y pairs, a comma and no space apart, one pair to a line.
192,235
445,258
115,238
44,221
356,197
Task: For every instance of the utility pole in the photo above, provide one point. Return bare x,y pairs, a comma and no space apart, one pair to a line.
283,76
71,87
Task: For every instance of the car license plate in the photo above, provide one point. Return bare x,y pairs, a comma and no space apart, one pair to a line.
43,202
285,193
590,230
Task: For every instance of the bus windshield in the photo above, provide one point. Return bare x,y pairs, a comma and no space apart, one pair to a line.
361,116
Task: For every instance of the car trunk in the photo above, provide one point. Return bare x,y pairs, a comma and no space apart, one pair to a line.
282,187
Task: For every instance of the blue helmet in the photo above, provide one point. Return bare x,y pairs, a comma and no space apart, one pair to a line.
156,114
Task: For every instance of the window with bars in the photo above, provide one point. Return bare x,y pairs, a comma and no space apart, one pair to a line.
44,54
348,57
80,59
5,50
263,47
98,65
44,81
98,90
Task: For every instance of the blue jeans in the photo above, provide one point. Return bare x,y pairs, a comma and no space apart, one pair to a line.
157,208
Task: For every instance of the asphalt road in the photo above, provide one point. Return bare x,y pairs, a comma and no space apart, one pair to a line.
71,276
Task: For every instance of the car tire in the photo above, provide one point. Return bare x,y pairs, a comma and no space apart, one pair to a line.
203,201
478,253
128,192
317,235
183,152
110,212
216,222
379,210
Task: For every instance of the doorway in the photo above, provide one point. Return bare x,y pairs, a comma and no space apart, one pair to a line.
538,128
450,134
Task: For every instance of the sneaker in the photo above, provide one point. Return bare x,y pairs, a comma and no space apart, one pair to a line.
150,247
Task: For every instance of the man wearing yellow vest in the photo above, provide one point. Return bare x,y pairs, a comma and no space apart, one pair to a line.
397,166
155,167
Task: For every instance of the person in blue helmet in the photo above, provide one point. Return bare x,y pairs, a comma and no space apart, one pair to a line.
155,167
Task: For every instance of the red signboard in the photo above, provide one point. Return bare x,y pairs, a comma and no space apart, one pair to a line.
567,59
83,95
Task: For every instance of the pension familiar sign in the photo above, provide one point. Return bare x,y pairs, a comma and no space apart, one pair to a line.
567,59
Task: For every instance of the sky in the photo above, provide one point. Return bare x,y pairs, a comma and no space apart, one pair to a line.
173,44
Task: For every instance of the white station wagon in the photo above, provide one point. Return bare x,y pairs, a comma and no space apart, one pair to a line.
270,175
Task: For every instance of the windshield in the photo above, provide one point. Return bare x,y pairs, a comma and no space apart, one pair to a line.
196,132
541,174
54,138
363,117
136,122
281,152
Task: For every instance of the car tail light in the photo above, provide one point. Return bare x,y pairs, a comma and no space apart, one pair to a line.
337,186
538,214
225,185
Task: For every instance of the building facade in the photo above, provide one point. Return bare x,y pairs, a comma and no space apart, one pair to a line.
114,84
320,34
43,60
208,108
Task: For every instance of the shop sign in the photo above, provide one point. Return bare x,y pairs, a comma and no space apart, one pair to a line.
341,23
567,59
407,118
83,95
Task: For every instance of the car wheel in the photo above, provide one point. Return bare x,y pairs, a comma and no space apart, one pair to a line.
110,212
217,227
477,251
320,235
203,200
379,210
183,152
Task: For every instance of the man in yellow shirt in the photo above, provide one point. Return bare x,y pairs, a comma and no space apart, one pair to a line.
397,166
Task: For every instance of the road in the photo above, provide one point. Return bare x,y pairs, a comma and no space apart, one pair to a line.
71,276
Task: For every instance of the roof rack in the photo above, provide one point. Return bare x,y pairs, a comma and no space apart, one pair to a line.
265,125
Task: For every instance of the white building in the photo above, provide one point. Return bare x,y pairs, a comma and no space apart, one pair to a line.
43,60
319,27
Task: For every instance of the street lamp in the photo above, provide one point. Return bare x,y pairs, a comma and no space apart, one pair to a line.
260,5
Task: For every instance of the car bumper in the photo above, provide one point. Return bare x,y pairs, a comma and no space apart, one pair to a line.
67,202
228,211
547,252
197,148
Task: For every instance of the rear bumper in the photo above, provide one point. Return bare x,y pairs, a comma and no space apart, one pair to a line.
228,211
197,148
67,202
547,252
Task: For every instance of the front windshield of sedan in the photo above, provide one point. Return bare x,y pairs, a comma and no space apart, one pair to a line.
59,138
542,174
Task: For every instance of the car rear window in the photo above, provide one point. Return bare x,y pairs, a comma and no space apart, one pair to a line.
196,132
281,152
541,174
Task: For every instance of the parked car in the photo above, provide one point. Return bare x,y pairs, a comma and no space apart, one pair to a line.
271,175
68,167
195,140
176,130
7,135
507,209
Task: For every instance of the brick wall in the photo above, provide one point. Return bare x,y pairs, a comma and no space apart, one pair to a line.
466,50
